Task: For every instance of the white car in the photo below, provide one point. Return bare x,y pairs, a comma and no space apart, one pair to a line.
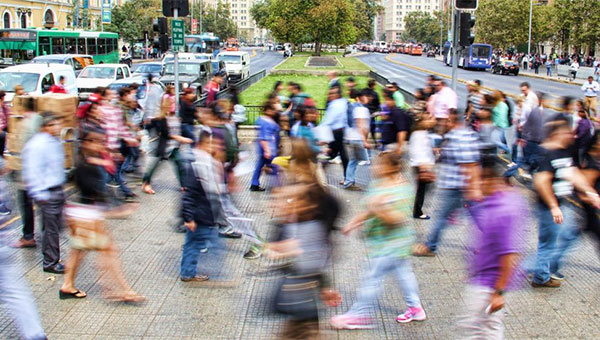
170,56
237,64
36,79
100,75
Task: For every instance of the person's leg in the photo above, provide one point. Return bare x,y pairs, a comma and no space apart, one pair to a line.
420,196
179,163
194,241
17,298
52,220
568,233
450,201
154,162
408,282
547,235
2,143
187,130
71,267
371,286
119,179
593,106
352,165
260,162
27,214
475,322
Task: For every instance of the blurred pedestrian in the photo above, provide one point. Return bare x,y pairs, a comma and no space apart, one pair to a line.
213,87
422,160
473,102
356,137
501,120
395,125
267,144
336,119
187,112
4,113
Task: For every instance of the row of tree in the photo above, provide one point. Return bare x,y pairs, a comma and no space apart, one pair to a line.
336,22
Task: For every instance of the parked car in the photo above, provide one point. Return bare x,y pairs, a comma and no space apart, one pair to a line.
506,67
279,48
100,75
141,91
77,61
144,69
192,73
36,78
237,64
431,54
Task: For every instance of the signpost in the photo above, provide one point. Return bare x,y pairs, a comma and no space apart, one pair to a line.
106,14
177,39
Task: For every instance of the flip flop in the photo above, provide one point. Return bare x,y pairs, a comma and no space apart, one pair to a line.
147,189
129,297
422,250
74,295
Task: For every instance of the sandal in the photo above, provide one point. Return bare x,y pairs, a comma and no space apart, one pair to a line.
422,250
130,297
148,189
78,294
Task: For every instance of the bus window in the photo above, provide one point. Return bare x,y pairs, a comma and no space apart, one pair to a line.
81,46
91,46
58,46
45,46
71,45
101,46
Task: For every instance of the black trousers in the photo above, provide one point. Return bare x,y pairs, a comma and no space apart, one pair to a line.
27,214
337,148
52,224
420,196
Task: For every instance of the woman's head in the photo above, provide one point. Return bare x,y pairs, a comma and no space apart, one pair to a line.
425,121
419,94
269,110
387,164
278,87
170,90
307,114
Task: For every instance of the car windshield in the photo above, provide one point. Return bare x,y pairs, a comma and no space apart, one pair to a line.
47,61
141,91
184,68
202,56
230,59
98,72
152,68
8,81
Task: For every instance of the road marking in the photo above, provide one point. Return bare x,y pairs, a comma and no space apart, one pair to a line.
462,81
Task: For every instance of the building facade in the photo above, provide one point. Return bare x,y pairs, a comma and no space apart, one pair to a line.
47,13
396,10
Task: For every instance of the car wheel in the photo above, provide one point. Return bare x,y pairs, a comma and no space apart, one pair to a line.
516,73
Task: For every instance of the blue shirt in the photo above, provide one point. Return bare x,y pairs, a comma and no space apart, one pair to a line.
336,114
268,131
43,163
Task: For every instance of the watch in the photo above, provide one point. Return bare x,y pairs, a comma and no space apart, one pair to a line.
499,292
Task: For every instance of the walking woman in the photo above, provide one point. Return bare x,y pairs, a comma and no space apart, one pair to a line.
169,133
87,227
422,160
267,144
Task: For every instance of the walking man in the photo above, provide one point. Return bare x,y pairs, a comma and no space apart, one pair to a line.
336,118
43,173
590,89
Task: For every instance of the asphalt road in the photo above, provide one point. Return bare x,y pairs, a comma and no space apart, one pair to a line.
264,61
411,79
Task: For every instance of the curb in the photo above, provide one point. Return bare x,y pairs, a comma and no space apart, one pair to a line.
557,80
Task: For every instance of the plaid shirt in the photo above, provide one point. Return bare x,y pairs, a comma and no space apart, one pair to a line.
114,126
460,146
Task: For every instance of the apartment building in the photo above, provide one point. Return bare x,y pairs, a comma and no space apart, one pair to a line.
46,13
239,11
396,10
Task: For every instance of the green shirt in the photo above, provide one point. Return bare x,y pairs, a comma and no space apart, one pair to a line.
500,115
399,99
385,240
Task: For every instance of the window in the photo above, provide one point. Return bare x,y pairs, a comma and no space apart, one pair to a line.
81,46
6,19
23,20
45,46
119,73
101,46
109,45
71,45
58,46
126,72
70,62
78,65
47,82
91,46
49,17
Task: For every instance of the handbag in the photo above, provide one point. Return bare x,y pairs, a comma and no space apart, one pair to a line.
297,295
86,227
426,175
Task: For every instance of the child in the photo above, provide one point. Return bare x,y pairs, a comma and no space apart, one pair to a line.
389,237
268,135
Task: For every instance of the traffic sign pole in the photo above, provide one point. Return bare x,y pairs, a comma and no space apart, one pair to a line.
176,50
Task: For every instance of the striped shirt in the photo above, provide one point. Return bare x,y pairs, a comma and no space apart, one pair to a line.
460,146
114,126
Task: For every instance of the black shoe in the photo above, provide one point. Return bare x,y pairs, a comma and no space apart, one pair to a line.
58,268
230,234
256,188
130,199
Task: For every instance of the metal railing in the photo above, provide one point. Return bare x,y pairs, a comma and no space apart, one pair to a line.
253,112
408,96
240,85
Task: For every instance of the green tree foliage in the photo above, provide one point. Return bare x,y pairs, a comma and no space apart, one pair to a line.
134,17
365,13
576,23
216,20
423,27
260,13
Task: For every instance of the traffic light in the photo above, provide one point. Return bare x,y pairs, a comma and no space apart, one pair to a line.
466,4
155,25
162,25
168,7
466,37
163,42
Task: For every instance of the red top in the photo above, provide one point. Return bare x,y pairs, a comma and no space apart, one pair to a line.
57,88
212,88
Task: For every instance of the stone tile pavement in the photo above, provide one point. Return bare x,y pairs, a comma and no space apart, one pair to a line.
151,250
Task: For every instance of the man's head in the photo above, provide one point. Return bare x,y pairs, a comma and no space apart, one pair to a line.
61,80
364,97
350,82
331,75
294,88
189,94
474,85
334,93
559,131
590,79
525,88
124,93
372,83
439,85
218,78
51,124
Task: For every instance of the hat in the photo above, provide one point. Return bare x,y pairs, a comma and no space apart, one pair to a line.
309,102
48,117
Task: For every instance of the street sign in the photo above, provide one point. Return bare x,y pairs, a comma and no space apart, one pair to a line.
177,33
106,12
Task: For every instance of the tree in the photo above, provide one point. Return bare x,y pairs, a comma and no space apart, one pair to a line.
366,11
423,27
216,20
577,23
331,22
260,13
132,18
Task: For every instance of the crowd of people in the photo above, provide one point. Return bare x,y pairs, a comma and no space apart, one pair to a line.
409,147
550,62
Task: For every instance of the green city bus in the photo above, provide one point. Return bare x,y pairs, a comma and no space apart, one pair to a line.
22,45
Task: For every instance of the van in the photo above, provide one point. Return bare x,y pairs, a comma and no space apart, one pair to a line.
77,61
237,64
36,79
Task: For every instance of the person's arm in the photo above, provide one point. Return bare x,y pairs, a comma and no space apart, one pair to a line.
401,137
356,222
542,182
583,87
581,183
190,195
507,265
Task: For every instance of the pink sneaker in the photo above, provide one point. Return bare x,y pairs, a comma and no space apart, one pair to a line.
350,321
412,314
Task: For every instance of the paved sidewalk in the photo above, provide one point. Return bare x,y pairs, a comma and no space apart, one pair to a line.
151,251
554,77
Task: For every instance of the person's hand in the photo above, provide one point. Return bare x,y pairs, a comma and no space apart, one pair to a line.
557,215
267,154
331,297
496,302
132,142
191,225
475,195
366,145
185,140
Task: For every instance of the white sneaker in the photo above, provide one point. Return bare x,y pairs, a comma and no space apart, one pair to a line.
364,163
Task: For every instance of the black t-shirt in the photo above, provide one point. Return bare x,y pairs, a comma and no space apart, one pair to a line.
560,163
187,112
397,121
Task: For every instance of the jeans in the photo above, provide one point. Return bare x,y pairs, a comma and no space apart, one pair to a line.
373,282
260,163
17,298
187,131
553,242
420,197
532,155
549,71
202,237
476,323
355,150
178,163
117,177
499,139
337,148
52,224
450,201
27,214
130,163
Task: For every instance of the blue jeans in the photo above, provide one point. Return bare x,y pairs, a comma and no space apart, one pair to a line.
373,282
499,139
203,236
354,160
119,179
187,131
549,71
17,298
553,242
260,163
532,155
450,201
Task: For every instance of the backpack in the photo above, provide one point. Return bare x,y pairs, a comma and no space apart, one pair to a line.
510,113
349,112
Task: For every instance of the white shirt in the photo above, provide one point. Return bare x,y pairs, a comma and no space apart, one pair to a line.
420,149
590,89
353,133
445,100
575,66
530,102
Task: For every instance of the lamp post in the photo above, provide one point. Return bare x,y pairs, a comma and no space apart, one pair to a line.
530,17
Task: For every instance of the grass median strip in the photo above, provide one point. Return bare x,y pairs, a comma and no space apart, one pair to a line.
345,64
